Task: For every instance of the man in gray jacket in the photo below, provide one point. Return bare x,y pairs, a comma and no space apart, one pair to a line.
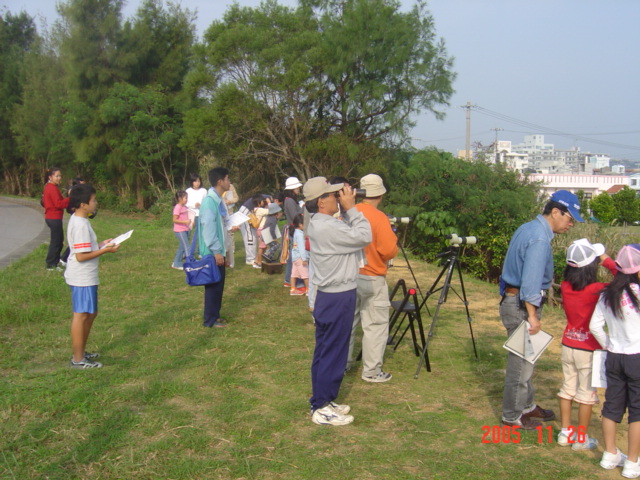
336,257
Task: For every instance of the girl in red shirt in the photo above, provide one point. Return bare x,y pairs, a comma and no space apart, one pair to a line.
580,293
54,206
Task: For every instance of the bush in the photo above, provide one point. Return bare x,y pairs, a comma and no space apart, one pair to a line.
449,195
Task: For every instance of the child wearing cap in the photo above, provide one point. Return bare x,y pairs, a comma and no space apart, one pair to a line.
619,308
580,290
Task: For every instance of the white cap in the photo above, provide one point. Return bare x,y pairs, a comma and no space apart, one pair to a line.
582,253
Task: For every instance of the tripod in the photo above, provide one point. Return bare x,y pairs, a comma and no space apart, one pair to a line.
451,263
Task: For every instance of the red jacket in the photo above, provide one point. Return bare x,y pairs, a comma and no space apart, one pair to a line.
54,204
578,307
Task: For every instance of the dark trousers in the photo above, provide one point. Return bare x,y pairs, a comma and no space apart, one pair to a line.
55,244
333,313
213,299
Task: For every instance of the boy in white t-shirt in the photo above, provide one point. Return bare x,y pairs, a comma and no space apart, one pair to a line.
82,271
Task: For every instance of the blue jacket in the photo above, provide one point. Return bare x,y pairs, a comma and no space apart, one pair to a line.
529,261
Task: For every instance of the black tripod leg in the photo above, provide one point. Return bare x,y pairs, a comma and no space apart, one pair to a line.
466,306
443,298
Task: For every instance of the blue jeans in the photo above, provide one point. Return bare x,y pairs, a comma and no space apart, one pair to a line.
183,248
518,389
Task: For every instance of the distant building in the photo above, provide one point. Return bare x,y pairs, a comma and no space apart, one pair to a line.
591,185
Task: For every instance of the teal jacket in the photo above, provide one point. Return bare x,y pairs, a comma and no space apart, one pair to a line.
211,231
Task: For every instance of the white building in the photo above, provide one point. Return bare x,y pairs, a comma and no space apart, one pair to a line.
591,185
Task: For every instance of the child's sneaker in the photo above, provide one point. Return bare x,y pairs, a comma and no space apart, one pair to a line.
611,461
287,284
631,469
563,439
84,364
588,444
295,291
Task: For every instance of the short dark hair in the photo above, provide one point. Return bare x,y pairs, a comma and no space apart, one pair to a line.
180,194
79,194
580,277
312,205
551,204
257,200
217,174
193,177
338,179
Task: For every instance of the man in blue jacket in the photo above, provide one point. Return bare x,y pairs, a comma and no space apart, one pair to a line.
526,275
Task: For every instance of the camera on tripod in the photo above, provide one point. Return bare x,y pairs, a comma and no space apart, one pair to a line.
397,220
454,239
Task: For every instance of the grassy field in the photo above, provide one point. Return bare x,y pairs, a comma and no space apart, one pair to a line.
178,401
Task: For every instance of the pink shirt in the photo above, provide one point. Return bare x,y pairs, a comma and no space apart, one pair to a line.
183,214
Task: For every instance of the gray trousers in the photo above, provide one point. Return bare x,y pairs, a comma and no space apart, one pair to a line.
372,310
518,389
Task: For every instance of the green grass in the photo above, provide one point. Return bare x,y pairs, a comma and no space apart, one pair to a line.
178,401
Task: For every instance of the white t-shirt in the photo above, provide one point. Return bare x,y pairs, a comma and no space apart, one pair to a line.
81,238
193,197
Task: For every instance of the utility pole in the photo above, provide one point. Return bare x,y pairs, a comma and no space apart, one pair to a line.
495,145
467,151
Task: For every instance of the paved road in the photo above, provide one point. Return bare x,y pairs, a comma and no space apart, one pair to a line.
22,228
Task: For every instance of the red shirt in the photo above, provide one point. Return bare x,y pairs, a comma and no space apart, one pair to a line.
578,307
54,204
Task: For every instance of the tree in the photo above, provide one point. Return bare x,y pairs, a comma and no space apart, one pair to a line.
36,125
626,205
603,208
148,131
17,35
289,87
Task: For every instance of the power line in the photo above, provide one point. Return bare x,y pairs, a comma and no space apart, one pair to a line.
551,131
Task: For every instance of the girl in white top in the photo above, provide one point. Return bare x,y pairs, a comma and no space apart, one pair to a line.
195,195
619,309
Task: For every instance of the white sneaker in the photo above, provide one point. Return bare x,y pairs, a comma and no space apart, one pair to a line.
328,416
588,444
563,439
611,461
378,377
631,469
341,409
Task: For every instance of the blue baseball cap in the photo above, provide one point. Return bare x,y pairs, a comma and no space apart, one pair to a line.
569,200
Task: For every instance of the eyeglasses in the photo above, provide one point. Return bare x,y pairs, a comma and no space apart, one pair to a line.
568,214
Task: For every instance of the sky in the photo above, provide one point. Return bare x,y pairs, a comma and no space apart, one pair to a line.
527,67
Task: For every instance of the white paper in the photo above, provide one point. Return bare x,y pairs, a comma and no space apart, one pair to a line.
598,372
527,346
235,220
121,238
266,236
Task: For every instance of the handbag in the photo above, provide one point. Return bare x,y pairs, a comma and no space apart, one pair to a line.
254,221
200,272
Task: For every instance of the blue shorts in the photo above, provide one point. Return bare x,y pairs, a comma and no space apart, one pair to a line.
84,299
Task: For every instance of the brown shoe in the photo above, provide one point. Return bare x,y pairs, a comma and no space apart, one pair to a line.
526,423
541,413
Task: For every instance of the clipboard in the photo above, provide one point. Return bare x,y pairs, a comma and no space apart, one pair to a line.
528,347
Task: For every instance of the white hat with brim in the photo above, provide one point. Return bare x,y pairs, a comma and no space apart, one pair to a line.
317,186
292,183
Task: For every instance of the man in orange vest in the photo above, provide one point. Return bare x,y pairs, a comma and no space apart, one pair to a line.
372,301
